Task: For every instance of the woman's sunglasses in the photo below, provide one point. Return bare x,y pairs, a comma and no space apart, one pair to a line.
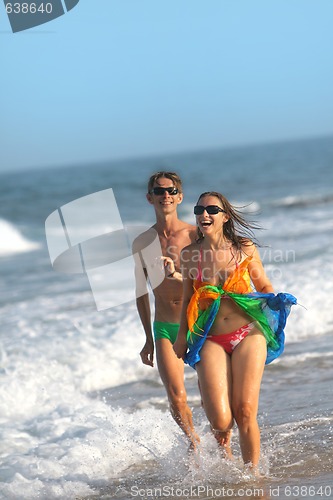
159,191
210,209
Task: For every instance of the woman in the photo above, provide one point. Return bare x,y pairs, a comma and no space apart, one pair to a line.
230,332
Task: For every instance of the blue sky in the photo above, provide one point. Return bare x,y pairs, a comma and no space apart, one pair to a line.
127,78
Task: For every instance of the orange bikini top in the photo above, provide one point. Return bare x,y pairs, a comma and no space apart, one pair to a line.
238,282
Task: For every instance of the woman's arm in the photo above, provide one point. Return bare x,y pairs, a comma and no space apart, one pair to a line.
257,272
180,346
170,269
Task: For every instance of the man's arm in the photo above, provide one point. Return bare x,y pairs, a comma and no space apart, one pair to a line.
143,307
147,352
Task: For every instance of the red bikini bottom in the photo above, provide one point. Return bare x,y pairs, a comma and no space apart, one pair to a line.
230,340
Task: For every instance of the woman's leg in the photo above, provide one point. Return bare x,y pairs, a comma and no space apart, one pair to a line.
214,373
247,362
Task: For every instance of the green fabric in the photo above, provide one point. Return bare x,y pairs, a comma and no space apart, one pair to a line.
254,308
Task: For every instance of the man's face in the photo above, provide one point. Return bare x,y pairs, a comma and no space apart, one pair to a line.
165,201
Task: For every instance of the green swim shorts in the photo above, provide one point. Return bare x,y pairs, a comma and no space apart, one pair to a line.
165,331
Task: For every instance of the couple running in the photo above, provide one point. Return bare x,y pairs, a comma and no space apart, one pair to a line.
205,315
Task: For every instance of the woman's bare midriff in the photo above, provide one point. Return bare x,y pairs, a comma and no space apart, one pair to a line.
229,318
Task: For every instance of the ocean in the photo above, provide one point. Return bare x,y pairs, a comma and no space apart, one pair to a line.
81,417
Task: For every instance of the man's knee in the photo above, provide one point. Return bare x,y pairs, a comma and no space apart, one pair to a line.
177,397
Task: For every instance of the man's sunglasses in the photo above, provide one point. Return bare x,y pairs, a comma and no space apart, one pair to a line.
159,191
210,209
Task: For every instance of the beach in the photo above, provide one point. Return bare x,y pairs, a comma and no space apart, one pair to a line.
82,417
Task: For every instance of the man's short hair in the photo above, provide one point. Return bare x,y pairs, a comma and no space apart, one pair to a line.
177,182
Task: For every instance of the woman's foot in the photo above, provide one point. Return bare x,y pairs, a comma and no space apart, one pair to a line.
223,439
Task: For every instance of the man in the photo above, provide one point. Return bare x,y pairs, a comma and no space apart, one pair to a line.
165,194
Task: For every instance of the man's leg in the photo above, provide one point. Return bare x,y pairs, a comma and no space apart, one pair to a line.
171,370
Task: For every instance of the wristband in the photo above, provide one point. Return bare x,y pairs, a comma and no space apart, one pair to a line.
171,274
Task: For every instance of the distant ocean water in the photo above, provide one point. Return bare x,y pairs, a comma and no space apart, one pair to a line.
81,417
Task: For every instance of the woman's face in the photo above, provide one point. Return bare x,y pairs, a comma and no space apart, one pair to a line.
210,223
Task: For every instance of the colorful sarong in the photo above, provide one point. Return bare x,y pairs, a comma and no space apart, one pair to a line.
270,311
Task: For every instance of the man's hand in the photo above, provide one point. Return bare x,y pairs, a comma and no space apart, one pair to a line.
147,353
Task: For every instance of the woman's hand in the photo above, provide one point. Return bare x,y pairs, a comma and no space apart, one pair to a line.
170,270
169,265
180,347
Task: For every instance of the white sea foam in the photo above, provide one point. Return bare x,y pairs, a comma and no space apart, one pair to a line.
292,360
81,445
56,441
303,200
12,241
